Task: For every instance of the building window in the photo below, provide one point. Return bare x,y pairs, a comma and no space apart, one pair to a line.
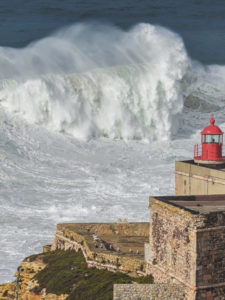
170,256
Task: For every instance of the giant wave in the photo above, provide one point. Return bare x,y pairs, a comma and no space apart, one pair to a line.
91,80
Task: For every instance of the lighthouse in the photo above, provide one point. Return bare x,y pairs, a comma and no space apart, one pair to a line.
210,151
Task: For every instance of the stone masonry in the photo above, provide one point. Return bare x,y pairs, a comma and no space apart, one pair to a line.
187,242
148,292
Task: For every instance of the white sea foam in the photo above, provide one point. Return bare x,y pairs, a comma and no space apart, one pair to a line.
204,87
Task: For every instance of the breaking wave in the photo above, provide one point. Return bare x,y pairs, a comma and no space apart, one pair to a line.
91,80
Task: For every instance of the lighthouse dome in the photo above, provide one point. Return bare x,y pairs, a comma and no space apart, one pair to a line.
212,129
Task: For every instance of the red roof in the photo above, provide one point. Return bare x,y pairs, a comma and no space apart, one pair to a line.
212,129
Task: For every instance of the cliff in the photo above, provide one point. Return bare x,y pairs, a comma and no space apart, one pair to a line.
26,282
75,269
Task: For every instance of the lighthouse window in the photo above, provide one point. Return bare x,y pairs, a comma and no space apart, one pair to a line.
210,139
216,139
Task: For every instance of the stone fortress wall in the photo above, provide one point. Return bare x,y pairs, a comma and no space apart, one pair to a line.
187,242
172,243
123,236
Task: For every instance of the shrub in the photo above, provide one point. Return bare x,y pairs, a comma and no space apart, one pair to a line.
67,273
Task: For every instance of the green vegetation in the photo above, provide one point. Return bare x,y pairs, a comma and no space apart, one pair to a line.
67,273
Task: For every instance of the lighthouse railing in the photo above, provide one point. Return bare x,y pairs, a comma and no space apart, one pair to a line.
197,150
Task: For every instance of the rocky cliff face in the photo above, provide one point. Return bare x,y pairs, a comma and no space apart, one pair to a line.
8,291
22,287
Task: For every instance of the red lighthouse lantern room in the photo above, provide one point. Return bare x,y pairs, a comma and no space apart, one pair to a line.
210,151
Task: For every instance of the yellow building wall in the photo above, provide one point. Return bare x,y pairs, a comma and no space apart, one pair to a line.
191,179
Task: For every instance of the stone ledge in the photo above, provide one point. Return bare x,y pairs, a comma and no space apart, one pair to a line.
148,292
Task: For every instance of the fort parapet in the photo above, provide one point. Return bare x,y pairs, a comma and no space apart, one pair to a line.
112,246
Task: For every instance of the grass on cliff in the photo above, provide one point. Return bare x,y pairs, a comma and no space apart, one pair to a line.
67,273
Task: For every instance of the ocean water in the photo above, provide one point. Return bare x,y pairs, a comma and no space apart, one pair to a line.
97,101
